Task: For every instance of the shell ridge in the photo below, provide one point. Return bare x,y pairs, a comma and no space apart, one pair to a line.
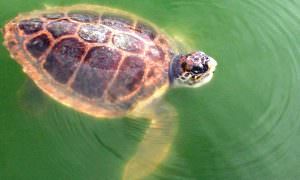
105,93
73,76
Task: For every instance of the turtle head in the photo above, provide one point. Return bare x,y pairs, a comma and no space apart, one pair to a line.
192,70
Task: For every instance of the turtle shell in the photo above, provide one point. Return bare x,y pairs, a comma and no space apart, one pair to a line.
95,59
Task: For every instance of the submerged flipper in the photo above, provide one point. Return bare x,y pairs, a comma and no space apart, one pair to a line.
31,100
156,142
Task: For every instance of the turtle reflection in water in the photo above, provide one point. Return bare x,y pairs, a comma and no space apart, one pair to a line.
108,63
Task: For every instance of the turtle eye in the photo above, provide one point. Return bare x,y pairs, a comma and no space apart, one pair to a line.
199,69
184,66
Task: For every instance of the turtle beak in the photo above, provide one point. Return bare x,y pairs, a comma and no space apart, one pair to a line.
212,64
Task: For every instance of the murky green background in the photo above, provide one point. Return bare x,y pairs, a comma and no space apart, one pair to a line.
244,125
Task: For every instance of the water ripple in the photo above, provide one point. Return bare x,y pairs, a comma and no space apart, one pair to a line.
260,58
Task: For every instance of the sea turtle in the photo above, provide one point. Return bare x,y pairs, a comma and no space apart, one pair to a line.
108,63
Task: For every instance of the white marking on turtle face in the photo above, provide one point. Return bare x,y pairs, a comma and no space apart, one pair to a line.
203,81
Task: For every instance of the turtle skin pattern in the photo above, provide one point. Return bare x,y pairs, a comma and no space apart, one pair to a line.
102,62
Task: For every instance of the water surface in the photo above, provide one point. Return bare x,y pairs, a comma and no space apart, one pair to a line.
245,124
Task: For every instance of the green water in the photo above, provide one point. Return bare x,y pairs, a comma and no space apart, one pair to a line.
245,124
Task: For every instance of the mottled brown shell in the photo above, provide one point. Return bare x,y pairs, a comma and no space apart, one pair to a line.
97,60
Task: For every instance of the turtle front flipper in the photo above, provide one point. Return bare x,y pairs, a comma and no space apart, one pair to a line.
156,142
31,100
